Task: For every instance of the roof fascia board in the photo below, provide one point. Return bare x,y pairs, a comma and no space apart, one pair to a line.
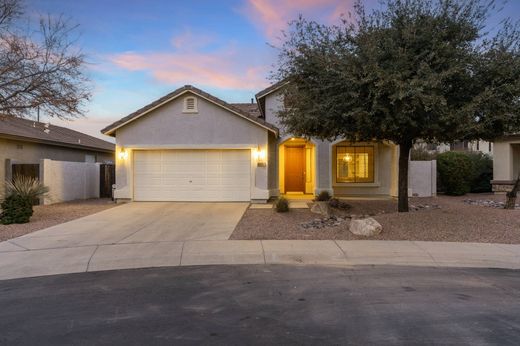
109,132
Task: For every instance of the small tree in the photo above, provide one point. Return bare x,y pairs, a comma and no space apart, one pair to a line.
39,69
417,70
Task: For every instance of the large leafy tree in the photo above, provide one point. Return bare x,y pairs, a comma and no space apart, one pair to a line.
415,70
41,67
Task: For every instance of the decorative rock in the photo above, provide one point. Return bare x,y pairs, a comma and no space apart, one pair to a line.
424,206
321,207
488,203
366,227
322,223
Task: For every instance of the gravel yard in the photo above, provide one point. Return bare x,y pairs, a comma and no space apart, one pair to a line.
49,215
453,220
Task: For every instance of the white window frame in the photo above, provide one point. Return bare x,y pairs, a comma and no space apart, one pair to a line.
185,105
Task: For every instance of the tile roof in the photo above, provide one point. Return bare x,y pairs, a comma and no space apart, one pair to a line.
251,108
111,128
34,131
271,88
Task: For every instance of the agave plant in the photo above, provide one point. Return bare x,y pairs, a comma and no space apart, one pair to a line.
20,195
26,187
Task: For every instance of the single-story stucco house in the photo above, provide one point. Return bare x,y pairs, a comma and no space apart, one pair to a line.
24,141
192,146
506,163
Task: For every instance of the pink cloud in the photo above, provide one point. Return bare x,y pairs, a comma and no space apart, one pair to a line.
272,16
224,67
189,40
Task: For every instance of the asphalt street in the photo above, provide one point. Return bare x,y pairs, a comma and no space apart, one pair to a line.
264,304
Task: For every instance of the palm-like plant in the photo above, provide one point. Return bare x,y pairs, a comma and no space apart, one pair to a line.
26,187
20,195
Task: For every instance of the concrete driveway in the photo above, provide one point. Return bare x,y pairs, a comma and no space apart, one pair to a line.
141,222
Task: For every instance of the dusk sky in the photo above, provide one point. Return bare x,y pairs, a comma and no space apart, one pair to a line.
140,50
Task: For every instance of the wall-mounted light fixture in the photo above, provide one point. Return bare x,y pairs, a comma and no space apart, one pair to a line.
123,154
260,157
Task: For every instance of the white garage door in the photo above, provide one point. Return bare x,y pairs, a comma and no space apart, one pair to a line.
192,175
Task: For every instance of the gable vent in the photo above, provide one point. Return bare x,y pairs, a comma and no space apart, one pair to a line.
190,105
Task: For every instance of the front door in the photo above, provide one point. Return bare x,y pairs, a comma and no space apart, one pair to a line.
295,169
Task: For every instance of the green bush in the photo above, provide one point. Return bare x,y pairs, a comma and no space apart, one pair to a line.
16,209
482,172
323,196
20,196
455,172
281,205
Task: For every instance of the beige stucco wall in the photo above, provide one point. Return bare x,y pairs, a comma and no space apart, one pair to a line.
31,153
422,178
386,162
213,127
385,177
506,159
69,181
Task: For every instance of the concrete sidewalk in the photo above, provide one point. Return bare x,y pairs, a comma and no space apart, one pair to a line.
17,261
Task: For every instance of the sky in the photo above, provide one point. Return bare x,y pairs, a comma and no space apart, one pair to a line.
140,50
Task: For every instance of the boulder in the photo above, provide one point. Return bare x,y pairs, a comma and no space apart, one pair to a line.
321,207
366,227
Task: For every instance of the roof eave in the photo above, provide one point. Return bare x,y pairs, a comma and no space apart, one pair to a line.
55,143
110,130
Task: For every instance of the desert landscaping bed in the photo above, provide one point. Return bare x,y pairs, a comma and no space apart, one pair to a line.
49,215
441,218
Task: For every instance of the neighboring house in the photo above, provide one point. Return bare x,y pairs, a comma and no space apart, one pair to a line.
192,146
481,146
506,163
25,141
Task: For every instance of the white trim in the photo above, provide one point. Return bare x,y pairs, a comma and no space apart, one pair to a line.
176,96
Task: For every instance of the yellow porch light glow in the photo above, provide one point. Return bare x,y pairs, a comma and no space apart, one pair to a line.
347,158
123,154
260,155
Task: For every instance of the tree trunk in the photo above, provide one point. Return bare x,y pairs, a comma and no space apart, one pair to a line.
511,195
404,154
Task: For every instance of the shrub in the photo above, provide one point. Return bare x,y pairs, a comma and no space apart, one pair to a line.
455,172
281,205
323,196
20,196
338,204
26,187
16,209
482,172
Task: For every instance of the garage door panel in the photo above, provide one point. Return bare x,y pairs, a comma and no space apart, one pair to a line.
192,175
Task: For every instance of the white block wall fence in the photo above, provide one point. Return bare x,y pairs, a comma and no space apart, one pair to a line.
422,178
68,181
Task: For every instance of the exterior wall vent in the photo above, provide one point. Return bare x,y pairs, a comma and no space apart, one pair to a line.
190,105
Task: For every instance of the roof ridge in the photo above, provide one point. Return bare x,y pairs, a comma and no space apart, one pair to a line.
168,97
